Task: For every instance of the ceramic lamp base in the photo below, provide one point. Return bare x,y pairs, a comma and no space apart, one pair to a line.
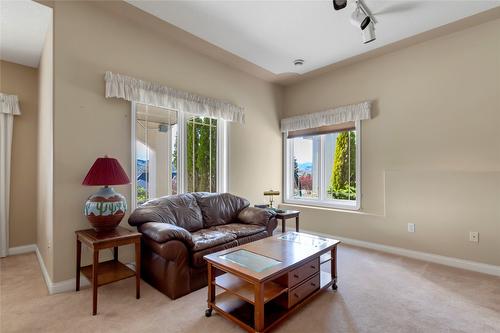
105,209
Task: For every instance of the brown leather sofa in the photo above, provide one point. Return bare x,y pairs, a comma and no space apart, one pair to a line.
178,230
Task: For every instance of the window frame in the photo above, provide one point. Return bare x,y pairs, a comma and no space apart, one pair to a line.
322,201
222,153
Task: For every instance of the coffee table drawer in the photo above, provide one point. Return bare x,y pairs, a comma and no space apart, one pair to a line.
303,272
302,291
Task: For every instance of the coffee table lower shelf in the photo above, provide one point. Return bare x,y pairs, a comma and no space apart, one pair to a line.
241,311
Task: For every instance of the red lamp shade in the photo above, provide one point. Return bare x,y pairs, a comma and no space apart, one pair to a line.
106,171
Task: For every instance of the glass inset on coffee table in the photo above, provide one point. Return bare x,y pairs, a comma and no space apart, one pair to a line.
252,261
304,239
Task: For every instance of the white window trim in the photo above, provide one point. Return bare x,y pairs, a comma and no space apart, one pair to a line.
222,160
222,155
133,178
321,201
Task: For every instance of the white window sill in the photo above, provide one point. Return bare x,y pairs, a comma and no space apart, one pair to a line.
340,205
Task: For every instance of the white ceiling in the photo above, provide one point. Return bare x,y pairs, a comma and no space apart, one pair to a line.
271,34
23,26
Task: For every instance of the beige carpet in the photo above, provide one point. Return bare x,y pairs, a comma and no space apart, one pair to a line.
377,293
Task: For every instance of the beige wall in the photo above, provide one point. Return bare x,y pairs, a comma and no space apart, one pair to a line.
22,81
45,154
91,38
431,154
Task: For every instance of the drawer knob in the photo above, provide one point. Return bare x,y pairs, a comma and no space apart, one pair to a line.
313,284
313,267
295,294
295,276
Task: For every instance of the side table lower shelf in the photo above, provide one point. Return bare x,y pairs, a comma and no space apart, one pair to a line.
109,271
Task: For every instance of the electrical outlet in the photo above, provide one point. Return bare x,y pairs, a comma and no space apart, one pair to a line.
411,227
474,236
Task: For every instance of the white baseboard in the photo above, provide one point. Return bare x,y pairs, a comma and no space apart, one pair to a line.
69,285
434,258
22,249
45,273
58,287
66,285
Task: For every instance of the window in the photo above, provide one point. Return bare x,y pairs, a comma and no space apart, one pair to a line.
175,153
322,166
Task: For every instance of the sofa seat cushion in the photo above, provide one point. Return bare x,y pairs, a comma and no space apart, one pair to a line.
205,238
197,257
252,238
240,229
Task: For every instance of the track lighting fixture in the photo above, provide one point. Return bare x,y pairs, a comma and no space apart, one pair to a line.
339,4
360,18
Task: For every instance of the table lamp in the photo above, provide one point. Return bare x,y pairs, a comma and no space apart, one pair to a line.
106,208
271,193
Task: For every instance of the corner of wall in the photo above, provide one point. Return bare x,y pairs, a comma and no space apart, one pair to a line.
45,157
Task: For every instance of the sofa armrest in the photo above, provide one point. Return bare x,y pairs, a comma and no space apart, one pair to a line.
163,232
254,215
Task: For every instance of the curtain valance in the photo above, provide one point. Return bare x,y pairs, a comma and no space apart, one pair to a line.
9,104
342,114
151,93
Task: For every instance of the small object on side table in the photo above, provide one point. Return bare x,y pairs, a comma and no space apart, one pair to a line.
111,270
288,214
271,194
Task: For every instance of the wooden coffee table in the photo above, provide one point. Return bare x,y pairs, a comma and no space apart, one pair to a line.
262,282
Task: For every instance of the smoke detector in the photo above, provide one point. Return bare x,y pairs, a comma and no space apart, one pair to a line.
298,62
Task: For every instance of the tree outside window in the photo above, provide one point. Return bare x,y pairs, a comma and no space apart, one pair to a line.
201,148
343,175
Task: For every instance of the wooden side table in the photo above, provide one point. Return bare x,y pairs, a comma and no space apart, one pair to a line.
288,214
112,270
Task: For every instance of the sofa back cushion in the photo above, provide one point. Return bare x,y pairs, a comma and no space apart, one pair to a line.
181,210
219,208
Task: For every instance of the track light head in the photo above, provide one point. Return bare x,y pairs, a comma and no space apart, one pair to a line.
339,4
368,34
360,19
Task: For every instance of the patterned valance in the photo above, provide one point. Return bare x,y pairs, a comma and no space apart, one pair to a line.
9,104
338,115
151,93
